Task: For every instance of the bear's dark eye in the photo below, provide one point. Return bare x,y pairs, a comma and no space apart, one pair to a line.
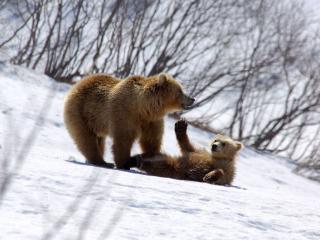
223,144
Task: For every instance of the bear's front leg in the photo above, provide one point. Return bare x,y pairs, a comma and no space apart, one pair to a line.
213,176
122,144
151,137
134,161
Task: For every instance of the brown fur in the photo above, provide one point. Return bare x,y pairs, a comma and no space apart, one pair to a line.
217,167
101,105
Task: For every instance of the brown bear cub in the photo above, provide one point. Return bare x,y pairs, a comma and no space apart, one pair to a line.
217,167
101,105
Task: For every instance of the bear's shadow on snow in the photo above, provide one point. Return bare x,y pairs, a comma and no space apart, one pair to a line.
91,165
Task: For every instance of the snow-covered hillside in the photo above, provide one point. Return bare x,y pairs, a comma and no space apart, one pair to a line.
54,196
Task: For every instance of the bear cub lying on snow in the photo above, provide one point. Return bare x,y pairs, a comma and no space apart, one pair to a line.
217,167
133,108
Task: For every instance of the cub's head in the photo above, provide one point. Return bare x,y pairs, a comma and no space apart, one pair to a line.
167,94
225,147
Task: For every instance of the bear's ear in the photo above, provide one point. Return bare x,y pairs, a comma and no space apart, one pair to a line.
159,84
239,145
162,79
218,136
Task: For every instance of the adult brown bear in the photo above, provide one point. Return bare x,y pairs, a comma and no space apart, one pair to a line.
101,105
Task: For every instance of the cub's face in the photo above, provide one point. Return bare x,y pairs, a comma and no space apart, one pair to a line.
169,94
225,147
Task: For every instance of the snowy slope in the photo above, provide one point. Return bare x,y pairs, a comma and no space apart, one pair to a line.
54,196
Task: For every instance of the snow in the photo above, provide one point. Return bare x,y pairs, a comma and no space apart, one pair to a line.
53,195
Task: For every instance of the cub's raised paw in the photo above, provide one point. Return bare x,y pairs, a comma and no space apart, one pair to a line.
213,176
181,126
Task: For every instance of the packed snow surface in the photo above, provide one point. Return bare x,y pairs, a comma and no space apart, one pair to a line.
52,194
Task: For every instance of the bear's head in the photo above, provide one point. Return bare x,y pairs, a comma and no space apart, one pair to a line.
165,94
225,147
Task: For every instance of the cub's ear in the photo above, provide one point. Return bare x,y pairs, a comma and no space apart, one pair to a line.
218,136
239,145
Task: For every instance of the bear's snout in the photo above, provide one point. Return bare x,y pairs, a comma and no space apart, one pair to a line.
187,101
192,101
214,148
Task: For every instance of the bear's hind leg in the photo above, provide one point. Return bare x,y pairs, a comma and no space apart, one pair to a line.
101,145
213,176
87,143
160,165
